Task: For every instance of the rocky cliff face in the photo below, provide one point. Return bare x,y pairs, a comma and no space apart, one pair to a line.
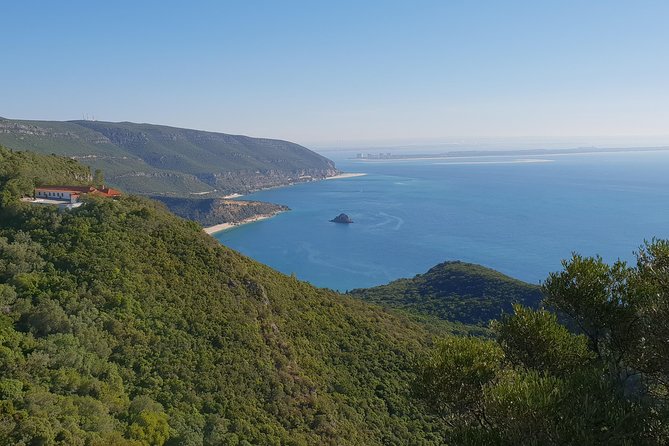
249,181
213,211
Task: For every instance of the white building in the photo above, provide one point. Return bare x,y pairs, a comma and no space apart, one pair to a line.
49,193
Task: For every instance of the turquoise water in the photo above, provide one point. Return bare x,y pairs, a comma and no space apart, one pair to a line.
520,218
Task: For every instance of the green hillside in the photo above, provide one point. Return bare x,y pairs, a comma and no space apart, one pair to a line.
152,159
123,324
20,172
454,291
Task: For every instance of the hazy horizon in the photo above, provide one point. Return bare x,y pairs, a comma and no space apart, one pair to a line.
461,143
501,143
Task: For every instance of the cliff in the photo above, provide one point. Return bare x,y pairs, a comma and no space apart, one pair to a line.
213,211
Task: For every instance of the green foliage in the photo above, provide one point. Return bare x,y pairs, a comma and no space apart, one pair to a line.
599,299
605,384
530,407
150,428
454,291
535,339
19,256
20,172
98,178
452,377
651,307
123,324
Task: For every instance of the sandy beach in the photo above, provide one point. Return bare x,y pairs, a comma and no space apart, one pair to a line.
224,226
345,175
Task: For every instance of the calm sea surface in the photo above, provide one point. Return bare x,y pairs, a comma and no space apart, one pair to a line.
519,215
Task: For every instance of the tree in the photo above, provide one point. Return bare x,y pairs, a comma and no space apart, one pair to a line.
452,377
150,428
605,381
98,178
535,340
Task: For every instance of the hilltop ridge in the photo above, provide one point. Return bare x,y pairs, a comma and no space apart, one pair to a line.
153,159
455,291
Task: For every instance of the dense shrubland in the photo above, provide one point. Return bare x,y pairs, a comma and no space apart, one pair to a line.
122,324
454,291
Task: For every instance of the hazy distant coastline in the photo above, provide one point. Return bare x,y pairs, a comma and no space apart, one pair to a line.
381,156
345,175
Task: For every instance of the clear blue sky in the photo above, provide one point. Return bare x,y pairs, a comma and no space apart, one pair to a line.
339,71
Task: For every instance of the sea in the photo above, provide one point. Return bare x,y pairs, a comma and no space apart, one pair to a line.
521,215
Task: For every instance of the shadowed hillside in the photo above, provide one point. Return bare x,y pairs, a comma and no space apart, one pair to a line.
455,291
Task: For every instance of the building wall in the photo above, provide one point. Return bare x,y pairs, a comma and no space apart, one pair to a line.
56,195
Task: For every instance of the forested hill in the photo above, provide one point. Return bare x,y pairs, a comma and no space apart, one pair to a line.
121,324
153,159
20,172
455,291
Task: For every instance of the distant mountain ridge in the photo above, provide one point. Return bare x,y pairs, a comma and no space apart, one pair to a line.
160,160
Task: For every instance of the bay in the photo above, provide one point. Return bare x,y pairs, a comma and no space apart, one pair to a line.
520,215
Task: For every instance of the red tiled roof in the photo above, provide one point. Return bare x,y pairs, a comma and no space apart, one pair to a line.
106,192
110,192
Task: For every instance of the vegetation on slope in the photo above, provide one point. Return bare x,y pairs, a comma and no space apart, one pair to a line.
538,383
122,324
20,172
151,159
454,291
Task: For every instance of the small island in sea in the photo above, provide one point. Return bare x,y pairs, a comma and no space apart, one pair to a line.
342,218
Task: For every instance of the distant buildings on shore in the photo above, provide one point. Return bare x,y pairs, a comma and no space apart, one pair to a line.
373,156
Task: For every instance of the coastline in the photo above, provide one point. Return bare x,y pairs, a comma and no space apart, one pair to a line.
211,230
345,175
334,177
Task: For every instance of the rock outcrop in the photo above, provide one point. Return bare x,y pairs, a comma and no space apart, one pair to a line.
342,218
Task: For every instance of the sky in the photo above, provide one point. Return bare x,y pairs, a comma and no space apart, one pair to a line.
335,73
